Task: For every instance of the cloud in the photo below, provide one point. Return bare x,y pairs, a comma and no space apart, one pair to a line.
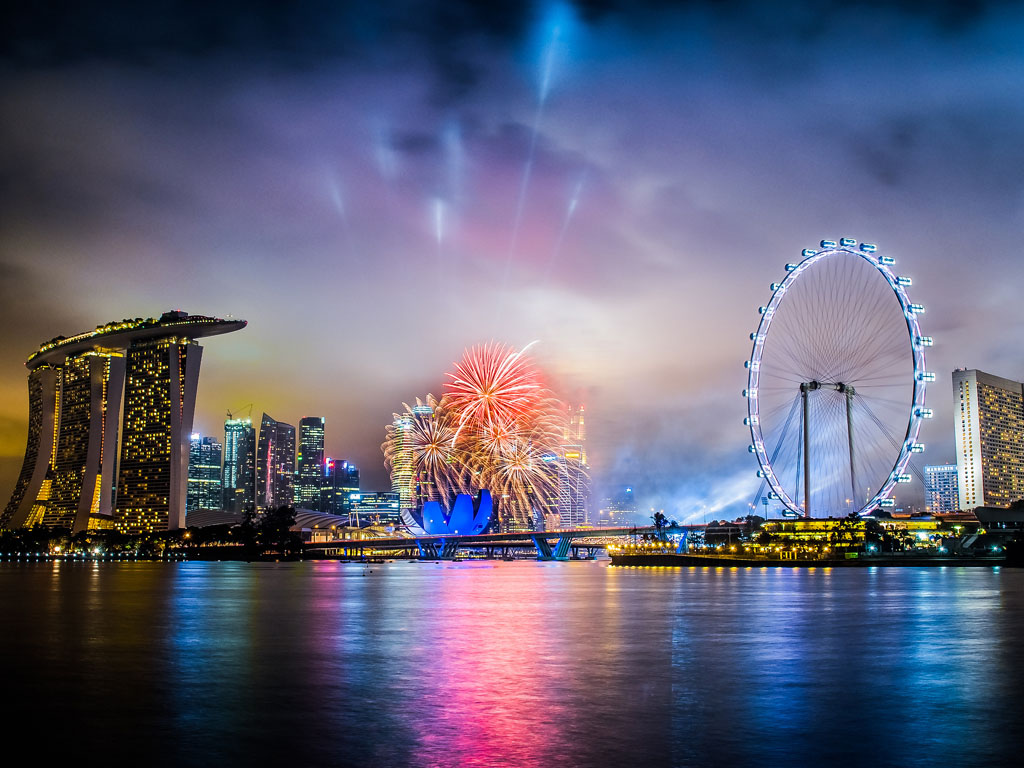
287,166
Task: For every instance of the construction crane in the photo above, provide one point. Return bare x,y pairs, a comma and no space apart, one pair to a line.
249,413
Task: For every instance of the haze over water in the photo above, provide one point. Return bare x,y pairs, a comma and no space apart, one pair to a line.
512,663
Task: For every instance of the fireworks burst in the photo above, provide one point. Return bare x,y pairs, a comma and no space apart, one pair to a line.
497,427
494,385
419,450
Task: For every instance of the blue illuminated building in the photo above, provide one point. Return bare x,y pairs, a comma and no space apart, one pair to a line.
468,516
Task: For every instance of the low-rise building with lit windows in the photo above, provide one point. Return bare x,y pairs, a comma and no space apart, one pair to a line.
941,488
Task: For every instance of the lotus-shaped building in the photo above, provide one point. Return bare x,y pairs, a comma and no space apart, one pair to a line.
468,516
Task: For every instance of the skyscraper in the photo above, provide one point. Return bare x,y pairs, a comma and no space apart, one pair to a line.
238,480
573,487
340,486
620,507
76,388
573,472
989,427
402,479
940,485
576,430
159,404
204,488
32,490
310,462
275,464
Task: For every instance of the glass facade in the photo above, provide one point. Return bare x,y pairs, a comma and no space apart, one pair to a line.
275,464
238,480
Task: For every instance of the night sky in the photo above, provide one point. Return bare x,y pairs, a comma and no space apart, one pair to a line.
374,189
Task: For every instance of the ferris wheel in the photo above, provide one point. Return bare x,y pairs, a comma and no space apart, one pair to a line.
836,382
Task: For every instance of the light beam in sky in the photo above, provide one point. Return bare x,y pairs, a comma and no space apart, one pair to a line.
439,210
552,32
338,200
574,201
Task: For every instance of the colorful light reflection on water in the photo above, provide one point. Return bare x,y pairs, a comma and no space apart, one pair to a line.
477,664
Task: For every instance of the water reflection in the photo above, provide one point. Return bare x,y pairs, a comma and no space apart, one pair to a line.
477,664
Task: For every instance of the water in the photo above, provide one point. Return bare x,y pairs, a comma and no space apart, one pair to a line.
476,664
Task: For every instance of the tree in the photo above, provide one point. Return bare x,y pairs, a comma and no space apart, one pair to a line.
248,533
270,531
275,529
660,521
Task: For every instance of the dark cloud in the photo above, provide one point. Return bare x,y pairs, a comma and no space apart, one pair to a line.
416,143
33,311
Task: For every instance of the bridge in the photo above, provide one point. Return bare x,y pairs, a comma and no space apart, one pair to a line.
549,545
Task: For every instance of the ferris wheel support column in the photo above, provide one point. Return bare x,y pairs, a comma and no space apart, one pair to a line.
804,390
849,431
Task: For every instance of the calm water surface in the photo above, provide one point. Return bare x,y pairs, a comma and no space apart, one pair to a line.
476,664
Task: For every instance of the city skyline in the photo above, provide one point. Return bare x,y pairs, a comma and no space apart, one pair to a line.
622,186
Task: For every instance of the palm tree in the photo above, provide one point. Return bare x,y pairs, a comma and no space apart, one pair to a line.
660,521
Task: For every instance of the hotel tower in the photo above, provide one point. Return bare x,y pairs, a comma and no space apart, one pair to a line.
85,465
989,436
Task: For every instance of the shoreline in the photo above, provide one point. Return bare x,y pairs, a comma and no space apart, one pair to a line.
660,559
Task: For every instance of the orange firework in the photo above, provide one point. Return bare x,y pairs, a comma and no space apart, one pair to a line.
494,385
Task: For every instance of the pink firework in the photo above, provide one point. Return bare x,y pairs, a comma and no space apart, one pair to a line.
494,385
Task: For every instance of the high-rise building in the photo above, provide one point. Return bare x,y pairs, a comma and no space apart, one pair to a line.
340,487
310,463
402,476
204,488
159,404
32,490
619,508
69,463
575,431
573,472
573,487
989,426
71,476
275,464
238,479
940,485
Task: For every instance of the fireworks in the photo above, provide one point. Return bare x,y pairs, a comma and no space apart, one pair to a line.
496,427
494,386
